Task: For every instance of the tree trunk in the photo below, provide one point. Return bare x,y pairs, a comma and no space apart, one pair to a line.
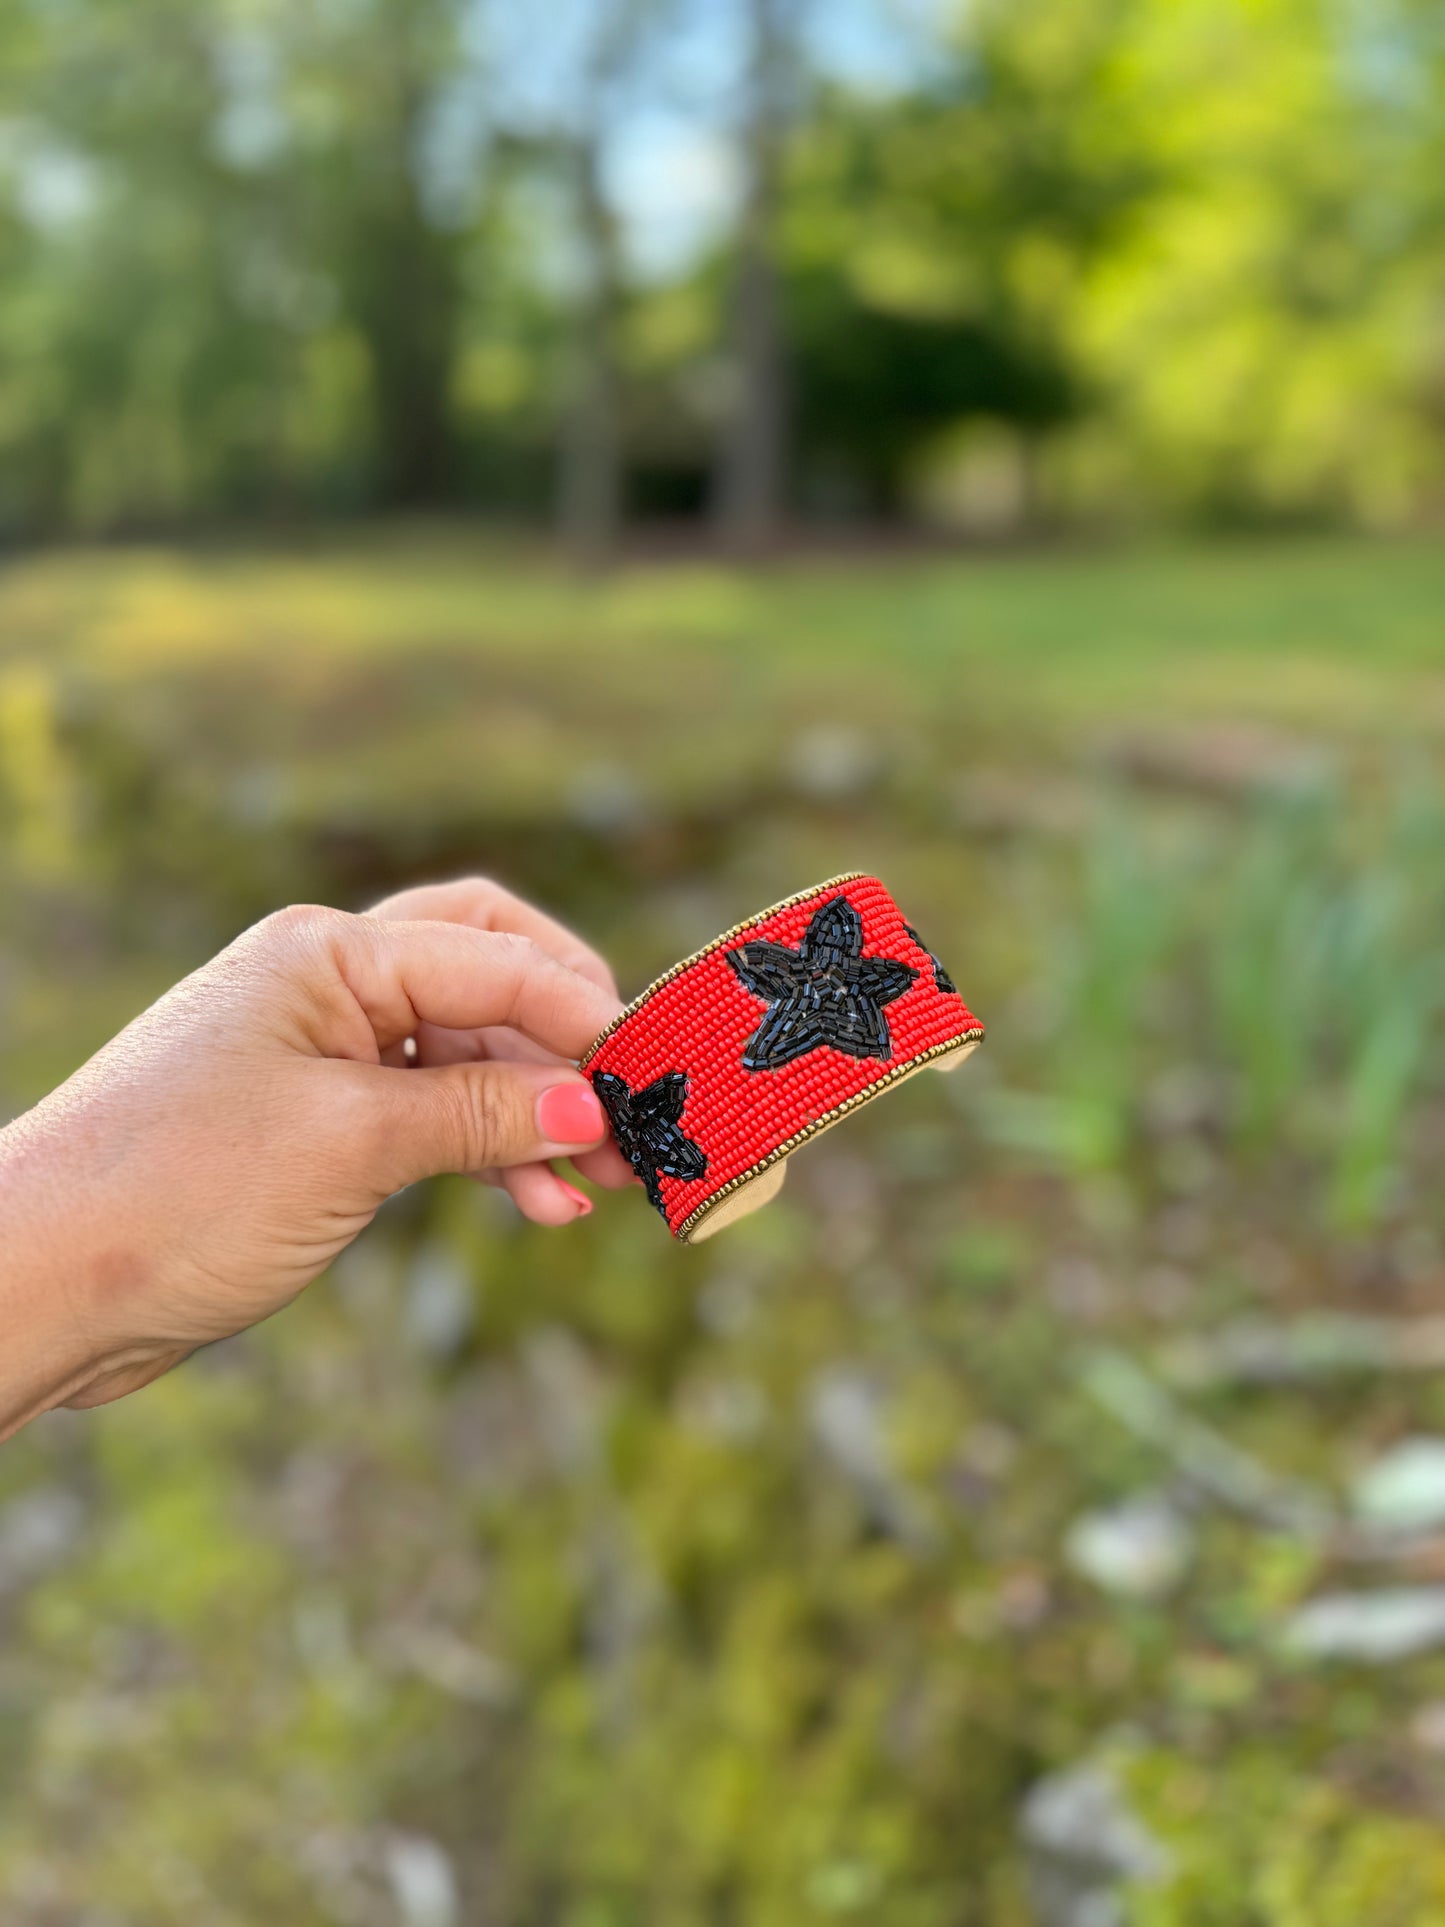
752,459
404,276
406,309
589,493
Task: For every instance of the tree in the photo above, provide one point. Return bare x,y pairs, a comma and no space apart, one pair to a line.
590,463
752,458
380,75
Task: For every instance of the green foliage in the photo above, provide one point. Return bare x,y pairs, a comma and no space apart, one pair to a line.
1097,259
1262,331
1256,1845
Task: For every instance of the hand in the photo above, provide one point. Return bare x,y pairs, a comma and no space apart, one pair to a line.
533,1186
204,1166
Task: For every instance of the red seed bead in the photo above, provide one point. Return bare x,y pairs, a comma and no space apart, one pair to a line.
700,1018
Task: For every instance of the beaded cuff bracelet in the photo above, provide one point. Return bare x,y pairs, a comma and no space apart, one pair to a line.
765,1038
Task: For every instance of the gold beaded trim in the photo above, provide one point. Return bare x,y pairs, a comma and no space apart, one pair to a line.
802,896
818,1124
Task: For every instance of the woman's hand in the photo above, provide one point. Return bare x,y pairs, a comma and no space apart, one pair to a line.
482,905
203,1167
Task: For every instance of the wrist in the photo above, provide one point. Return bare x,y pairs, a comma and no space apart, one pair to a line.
51,1346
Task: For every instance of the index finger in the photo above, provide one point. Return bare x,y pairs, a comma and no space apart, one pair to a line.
486,905
401,975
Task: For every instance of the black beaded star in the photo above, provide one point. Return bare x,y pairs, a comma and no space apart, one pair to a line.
825,993
645,1124
940,976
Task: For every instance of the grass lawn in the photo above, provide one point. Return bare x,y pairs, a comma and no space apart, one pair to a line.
1317,630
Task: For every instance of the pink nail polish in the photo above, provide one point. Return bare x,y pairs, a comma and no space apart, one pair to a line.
579,1198
570,1114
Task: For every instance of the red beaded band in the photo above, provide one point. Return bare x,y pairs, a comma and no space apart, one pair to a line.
769,1035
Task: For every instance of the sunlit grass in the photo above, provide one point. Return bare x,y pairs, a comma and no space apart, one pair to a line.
1331,633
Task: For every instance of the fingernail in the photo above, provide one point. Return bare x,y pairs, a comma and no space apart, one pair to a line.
570,1114
579,1198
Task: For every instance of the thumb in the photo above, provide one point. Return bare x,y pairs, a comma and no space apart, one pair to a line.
470,1117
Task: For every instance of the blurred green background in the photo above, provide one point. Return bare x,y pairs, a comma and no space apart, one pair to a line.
662,453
